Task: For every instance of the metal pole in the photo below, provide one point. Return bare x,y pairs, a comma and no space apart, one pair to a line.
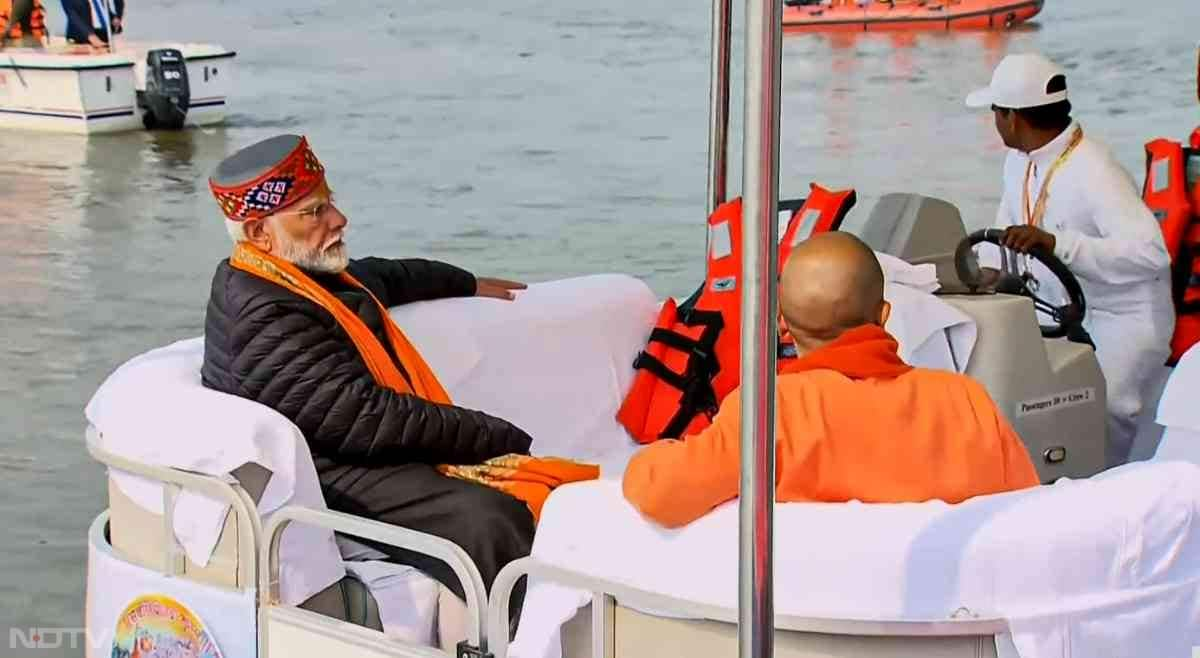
718,107
760,188
108,25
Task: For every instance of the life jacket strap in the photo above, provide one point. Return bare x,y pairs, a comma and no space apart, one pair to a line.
695,382
659,369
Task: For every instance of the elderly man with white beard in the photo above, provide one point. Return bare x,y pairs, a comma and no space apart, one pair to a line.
295,324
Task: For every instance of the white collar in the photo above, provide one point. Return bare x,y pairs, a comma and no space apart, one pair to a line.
1046,155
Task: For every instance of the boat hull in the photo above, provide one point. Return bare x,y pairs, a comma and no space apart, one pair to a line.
966,15
56,91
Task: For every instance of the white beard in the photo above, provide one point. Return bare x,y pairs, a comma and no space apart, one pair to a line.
331,259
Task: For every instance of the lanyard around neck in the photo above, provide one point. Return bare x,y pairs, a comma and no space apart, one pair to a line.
1034,217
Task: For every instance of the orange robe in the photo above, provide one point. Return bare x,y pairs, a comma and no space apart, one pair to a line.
853,422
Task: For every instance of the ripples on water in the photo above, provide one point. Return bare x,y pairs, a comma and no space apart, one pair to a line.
534,140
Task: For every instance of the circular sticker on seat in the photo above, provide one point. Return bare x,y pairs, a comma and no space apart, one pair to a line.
157,626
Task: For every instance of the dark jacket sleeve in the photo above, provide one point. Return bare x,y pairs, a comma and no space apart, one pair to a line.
118,8
303,366
401,281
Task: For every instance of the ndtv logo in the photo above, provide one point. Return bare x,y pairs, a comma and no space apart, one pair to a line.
52,638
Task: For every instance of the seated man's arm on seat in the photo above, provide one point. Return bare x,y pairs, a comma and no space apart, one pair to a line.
402,281
297,363
676,482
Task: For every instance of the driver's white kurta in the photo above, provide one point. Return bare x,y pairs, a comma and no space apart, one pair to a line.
1112,243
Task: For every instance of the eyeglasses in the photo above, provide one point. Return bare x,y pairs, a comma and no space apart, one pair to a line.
312,212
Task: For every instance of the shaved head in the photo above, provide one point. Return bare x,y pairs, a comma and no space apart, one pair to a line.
832,282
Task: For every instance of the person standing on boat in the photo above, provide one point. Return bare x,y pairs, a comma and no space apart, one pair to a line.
1064,192
87,20
853,421
293,323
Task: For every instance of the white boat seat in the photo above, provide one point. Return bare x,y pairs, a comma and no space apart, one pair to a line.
1177,412
415,606
594,345
1059,558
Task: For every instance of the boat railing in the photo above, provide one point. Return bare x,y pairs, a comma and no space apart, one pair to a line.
273,615
258,557
173,481
607,594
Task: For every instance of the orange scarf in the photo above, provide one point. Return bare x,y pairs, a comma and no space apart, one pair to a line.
424,384
864,352
530,479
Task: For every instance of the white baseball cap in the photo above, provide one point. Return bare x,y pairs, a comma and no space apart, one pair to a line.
1020,81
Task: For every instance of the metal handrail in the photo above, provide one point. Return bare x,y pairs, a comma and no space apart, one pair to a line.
173,480
630,596
446,551
258,550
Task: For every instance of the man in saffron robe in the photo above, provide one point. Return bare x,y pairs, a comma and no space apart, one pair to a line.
295,324
853,421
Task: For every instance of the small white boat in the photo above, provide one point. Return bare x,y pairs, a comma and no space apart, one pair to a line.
68,88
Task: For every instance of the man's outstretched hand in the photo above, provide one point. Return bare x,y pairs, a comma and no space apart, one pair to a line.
497,288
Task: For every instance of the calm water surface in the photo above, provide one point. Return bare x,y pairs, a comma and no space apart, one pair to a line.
533,140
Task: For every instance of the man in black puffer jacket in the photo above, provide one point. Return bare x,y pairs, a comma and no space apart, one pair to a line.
273,335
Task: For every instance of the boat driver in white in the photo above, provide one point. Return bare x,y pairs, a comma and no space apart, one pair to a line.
1065,192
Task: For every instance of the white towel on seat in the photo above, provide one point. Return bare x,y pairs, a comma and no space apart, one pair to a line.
154,410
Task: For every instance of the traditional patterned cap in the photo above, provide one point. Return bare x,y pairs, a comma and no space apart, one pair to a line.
266,177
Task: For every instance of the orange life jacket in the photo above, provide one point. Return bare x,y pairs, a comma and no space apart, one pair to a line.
37,20
1165,191
1172,191
693,357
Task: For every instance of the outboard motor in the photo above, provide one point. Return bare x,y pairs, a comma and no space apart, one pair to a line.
168,94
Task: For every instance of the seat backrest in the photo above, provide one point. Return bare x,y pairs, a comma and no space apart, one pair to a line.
556,362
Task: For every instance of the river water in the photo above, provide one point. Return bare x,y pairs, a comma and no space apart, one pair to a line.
527,139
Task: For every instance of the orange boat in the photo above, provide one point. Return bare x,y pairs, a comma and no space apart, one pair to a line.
872,15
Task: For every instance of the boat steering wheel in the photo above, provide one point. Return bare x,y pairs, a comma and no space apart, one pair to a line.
1068,318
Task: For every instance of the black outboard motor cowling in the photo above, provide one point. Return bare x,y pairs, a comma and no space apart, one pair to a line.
168,94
